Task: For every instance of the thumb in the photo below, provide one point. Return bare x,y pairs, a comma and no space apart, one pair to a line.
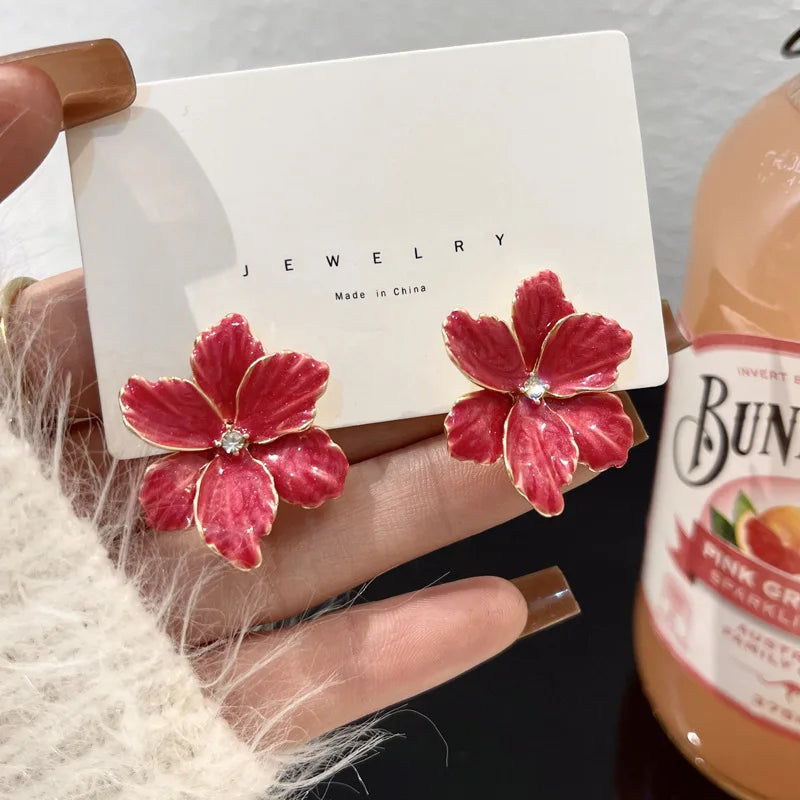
30,119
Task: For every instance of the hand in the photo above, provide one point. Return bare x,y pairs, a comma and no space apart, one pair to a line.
404,497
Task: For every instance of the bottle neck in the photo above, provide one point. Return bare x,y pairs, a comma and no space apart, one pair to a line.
744,265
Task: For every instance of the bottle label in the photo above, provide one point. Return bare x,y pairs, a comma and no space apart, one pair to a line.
721,575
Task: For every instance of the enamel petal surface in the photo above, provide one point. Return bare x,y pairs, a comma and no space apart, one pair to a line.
485,350
308,467
169,488
583,352
278,395
235,506
602,429
540,455
220,358
539,303
475,426
171,413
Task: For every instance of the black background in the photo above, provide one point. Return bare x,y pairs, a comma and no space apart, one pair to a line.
560,714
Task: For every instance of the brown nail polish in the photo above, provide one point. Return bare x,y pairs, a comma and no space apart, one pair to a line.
675,339
94,78
549,599
639,432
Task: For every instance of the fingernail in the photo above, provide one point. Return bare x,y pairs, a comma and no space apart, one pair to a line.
549,599
94,78
639,431
676,341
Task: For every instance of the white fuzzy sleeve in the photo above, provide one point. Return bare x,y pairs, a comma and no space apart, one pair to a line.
94,700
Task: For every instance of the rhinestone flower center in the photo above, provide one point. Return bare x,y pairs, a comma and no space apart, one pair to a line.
534,388
232,441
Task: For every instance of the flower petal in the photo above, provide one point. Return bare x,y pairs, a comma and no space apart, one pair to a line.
540,454
475,426
220,358
278,394
485,350
171,413
583,352
235,506
168,490
602,429
539,303
308,467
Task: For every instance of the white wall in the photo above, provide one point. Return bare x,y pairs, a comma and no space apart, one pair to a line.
698,65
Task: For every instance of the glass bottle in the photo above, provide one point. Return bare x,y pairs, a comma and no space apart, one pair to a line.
717,619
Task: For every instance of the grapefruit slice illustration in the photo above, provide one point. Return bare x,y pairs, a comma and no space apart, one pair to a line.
772,537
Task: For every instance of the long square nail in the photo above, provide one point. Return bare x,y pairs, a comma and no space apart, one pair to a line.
94,78
549,598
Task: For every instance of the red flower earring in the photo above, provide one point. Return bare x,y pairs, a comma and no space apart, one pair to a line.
243,438
543,407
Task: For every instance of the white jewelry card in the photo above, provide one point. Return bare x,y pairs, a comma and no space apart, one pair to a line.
346,207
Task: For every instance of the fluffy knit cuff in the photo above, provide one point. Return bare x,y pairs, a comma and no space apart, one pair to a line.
94,700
